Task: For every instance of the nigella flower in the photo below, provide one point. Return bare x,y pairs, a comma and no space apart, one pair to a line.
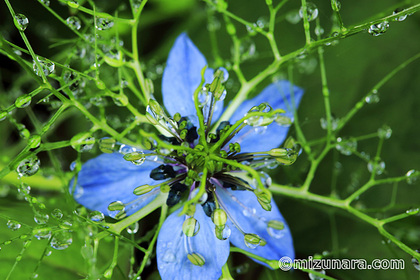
212,173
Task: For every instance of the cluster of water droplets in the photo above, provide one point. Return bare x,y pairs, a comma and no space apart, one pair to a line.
377,167
311,11
47,67
346,146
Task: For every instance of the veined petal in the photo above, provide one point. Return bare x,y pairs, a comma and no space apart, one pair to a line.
108,178
248,214
278,96
182,76
173,246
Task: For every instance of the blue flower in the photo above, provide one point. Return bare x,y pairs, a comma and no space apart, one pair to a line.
228,205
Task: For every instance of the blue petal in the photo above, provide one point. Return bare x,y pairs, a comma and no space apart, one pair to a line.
108,178
278,96
172,244
182,76
245,210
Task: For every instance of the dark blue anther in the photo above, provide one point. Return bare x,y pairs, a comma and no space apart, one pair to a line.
170,140
238,186
209,205
162,172
174,195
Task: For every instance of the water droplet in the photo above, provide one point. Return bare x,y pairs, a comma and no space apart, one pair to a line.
104,23
334,123
384,132
34,141
413,211
23,101
275,229
61,240
190,227
133,228
136,4
41,218
169,256
202,199
48,253
45,2
380,167
57,213
3,115
293,17
4,190
336,5
415,262
46,66
73,4
373,97
412,176
226,233
346,147
13,225
42,232
120,100
21,22
378,28
316,277
137,158
249,212
74,22
247,49
252,241
400,18
28,166
125,149
203,96
311,11
97,216
319,31
35,275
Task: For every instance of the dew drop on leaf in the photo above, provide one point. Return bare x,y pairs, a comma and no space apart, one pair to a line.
74,22
21,22
311,11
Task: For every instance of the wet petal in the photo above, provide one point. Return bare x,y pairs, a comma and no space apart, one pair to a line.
173,247
246,211
278,96
108,178
182,76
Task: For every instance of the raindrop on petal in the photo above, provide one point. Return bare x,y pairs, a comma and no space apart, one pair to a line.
169,256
